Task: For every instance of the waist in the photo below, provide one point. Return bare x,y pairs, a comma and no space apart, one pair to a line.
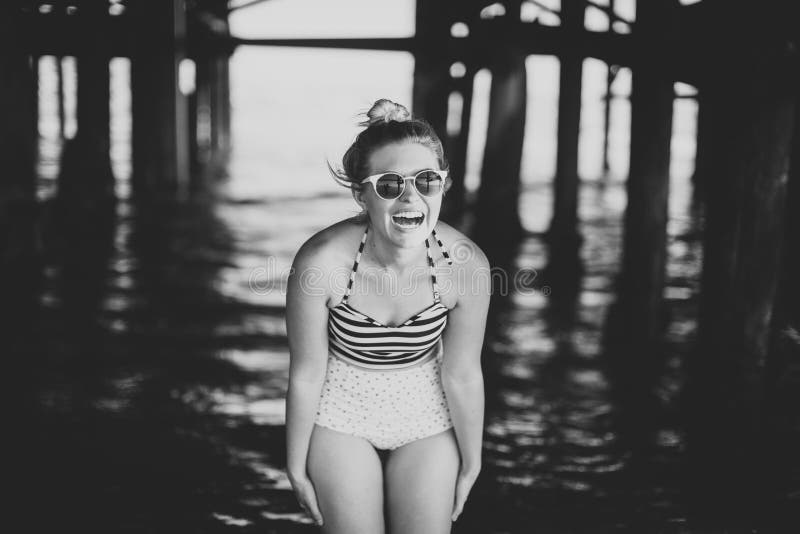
377,363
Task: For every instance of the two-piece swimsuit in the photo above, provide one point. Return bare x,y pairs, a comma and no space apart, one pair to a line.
383,383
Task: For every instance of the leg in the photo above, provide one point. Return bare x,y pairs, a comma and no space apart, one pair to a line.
420,485
348,480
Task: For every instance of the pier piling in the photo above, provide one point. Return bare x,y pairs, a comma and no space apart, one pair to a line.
634,327
454,204
497,224
431,68
210,105
750,101
86,182
783,357
160,111
563,230
19,247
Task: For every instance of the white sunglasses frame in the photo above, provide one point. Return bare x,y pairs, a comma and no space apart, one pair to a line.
373,179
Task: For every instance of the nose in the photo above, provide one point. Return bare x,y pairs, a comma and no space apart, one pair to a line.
409,192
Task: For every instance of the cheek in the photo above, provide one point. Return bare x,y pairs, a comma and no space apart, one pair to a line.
376,207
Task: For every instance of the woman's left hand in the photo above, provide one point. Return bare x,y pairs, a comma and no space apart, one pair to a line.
464,483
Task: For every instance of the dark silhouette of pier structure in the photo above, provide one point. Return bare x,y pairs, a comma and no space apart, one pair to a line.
741,56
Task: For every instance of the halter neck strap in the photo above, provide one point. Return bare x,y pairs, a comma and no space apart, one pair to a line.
431,264
355,266
442,248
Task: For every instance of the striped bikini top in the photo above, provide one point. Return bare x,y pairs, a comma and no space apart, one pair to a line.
360,340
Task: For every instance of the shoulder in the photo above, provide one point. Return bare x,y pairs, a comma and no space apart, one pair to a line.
466,255
465,283
330,246
328,254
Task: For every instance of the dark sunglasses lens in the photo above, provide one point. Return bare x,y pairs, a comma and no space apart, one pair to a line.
429,183
389,186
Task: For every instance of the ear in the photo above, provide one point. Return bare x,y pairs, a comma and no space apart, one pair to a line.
358,196
448,182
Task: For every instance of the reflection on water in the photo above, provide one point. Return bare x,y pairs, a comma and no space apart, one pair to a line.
161,374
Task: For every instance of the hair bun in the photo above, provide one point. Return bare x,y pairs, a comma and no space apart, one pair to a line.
384,110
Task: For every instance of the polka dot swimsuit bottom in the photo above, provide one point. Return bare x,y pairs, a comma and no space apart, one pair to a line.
387,408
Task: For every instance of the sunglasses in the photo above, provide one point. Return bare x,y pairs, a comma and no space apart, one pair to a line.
390,185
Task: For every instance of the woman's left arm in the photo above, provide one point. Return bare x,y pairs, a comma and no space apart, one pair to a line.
462,377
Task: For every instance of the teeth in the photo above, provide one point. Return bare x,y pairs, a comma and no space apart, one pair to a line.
408,219
409,214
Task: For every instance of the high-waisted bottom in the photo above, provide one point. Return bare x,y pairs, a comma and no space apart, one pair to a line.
387,408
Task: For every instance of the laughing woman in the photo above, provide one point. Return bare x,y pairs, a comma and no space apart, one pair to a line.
384,414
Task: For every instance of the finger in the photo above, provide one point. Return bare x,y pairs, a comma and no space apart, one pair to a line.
311,505
458,505
457,509
315,513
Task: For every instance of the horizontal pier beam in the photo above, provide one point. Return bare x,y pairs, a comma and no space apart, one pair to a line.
688,51
530,38
64,35
61,35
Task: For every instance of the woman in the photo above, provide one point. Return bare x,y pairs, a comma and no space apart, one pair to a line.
385,404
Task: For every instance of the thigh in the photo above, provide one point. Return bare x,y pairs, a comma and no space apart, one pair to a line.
420,484
348,480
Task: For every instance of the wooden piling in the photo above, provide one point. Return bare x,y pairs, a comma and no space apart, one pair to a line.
210,108
786,323
160,112
18,136
60,97
212,111
750,105
611,74
634,327
431,66
607,98
221,133
35,60
701,170
563,226
455,203
564,267
86,181
18,149
783,356
497,225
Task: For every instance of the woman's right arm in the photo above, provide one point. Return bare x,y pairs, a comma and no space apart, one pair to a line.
306,325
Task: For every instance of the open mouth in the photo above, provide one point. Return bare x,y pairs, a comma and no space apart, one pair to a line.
408,219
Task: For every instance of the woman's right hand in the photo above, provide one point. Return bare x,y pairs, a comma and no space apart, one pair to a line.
306,496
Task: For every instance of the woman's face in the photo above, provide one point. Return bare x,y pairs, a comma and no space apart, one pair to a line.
406,158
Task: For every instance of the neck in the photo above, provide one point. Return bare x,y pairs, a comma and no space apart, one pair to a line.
389,256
